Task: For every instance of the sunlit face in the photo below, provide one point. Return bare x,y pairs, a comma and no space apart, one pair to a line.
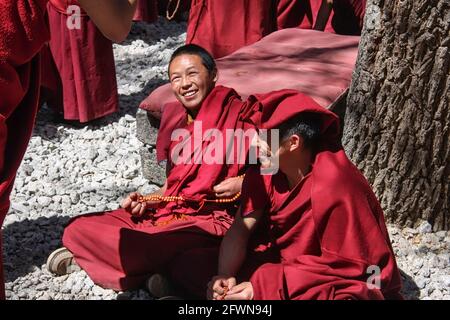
191,82
273,152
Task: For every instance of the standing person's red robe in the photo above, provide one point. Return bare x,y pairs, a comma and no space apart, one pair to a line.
23,32
222,27
329,230
120,252
79,74
294,14
147,11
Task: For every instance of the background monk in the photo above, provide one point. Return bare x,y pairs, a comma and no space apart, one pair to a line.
23,32
78,69
122,248
222,27
325,222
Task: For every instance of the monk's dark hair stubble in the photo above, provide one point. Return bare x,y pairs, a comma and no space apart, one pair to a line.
306,125
196,50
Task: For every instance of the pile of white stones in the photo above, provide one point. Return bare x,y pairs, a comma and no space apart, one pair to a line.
68,171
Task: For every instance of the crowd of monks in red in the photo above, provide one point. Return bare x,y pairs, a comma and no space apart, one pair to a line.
325,236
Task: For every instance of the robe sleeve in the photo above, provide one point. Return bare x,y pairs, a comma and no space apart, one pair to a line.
254,192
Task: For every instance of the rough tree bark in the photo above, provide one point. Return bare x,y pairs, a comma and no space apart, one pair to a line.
397,122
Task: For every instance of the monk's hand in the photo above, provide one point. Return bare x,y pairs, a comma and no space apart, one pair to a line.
228,187
264,152
132,205
242,291
219,286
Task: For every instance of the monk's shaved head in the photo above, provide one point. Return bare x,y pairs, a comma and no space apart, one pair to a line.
193,49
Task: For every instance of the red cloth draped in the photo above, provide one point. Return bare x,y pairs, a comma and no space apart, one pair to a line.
78,69
329,229
146,10
120,252
23,32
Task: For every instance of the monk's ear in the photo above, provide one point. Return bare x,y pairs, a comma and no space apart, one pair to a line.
296,142
215,75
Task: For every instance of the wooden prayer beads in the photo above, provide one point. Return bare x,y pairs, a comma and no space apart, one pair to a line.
152,198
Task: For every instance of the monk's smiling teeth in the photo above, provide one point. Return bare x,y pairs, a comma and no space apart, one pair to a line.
190,93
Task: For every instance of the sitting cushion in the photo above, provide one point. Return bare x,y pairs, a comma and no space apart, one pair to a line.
316,63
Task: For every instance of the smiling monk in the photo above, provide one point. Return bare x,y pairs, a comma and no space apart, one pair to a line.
194,208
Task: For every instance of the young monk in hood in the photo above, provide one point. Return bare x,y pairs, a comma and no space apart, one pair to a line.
325,223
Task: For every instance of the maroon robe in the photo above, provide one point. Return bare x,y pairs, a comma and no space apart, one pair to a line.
146,10
120,252
294,14
329,230
23,32
222,27
79,73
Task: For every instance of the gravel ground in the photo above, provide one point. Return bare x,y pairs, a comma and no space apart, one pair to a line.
68,171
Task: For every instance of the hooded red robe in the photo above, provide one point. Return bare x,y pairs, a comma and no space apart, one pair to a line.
23,32
121,252
79,75
329,230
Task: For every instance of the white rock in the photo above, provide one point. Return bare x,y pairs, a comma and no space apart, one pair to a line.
425,227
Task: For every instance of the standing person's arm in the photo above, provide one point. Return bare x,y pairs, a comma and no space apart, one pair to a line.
112,17
323,15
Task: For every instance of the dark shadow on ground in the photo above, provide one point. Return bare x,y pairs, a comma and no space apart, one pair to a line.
410,290
27,244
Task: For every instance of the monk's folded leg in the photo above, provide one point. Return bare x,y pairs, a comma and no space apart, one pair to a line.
192,270
121,252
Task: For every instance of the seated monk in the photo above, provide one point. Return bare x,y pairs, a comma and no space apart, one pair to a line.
325,225
194,208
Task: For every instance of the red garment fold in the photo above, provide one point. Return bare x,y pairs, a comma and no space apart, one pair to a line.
147,11
23,32
222,27
294,14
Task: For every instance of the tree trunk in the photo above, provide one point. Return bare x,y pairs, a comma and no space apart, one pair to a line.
397,122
